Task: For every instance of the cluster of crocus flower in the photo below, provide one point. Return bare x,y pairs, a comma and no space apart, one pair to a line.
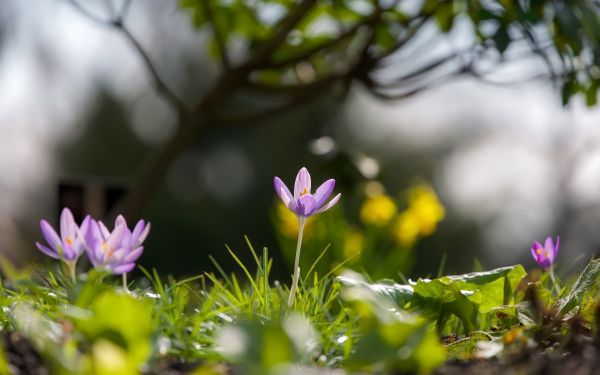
115,251
304,204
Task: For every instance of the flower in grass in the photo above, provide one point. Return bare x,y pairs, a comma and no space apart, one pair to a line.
70,244
378,210
303,203
116,251
545,255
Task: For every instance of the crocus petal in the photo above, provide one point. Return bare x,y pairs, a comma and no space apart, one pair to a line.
534,254
123,268
323,192
120,220
68,251
144,234
116,236
302,184
50,235
104,230
46,250
140,232
134,254
284,193
67,224
549,245
329,204
305,205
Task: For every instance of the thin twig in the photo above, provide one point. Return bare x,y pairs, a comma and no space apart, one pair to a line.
159,84
117,22
217,35
87,13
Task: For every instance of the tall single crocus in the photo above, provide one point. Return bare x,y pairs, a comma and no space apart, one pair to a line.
304,204
70,244
116,251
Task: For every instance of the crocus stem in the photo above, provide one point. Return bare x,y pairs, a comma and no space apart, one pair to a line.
296,276
72,266
554,286
125,288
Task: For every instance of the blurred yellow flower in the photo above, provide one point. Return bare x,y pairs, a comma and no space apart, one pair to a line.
353,243
406,228
378,210
287,223
424,205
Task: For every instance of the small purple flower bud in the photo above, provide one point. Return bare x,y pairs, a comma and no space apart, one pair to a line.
545,255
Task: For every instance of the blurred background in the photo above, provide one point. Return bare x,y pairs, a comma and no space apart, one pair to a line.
502,165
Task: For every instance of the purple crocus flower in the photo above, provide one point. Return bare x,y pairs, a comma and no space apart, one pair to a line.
303,203
70,244
116,251
545,255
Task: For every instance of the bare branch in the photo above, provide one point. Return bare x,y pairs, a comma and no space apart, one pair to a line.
125,9
217,35
310,52
303,94
81,9
285,27
117,23
159,84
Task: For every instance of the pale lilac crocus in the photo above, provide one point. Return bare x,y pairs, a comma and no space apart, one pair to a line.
70,244
116,251
545,255
304,204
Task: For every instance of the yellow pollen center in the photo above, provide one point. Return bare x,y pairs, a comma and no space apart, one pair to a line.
105,248
539,251
69,240
304,192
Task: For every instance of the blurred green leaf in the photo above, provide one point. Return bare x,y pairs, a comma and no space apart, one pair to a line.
585,283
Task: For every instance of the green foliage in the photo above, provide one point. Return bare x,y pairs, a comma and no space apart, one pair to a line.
564,34
586,283
96,327
468,297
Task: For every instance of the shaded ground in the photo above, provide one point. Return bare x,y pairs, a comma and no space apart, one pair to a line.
23,359
587,361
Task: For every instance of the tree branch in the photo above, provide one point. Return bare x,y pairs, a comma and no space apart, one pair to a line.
217,35
118,23
285,27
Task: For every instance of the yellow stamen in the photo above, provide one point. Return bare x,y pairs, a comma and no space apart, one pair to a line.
540,251
304,192
105,248
69,240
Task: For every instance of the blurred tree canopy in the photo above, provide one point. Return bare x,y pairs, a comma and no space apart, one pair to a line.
276,55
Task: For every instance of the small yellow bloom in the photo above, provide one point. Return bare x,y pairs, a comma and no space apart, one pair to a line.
406,228
378,210
426,208
353,243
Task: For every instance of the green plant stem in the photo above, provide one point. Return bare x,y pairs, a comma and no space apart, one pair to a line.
125,288
72,271
296,276
555,287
